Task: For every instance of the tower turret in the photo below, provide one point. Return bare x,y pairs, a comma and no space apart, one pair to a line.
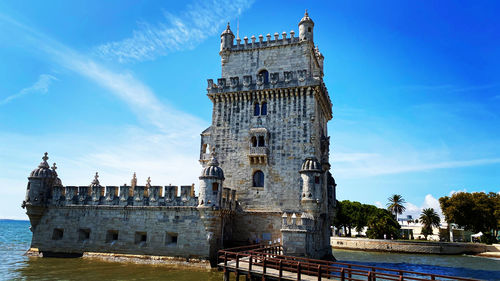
306,26
226,38
312,181
38,191
211,181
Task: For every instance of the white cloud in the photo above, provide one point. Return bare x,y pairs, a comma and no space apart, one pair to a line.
429,202
200,20
379,205
41,86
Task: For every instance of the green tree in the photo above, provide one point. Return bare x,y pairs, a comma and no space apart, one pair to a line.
478,212
429,218
395,204
381,222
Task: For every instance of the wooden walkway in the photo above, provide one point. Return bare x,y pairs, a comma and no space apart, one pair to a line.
266,262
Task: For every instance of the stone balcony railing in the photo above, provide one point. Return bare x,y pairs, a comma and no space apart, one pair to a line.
259,150
297,221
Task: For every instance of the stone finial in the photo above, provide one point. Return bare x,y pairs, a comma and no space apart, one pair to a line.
96,179
148,182
133,182
305,15
292,34
261,38
54,167
44,163
245,39
253,39
276,36
268,37
283,34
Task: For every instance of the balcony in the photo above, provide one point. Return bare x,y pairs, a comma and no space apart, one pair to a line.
258,155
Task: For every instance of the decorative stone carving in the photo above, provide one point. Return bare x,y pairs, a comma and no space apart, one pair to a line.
274,77
247,80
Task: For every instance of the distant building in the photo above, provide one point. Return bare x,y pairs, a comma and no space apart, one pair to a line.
265,173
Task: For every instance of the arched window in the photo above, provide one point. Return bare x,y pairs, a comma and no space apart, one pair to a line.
258,179
204,148
265,74
254,141
263,109
262,142
256,110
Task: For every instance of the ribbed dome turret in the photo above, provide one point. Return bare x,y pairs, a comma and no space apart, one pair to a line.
57,181
212,170
311,164
306,18
227,31
43,171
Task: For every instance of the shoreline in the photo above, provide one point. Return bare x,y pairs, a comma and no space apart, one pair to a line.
137,259
415,247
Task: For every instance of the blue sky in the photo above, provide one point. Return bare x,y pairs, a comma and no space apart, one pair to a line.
119,87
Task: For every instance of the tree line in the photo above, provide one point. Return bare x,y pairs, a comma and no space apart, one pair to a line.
354,215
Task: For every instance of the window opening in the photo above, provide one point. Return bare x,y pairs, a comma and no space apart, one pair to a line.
83,234
262,142
141,237
316,180
111,236
171,238
258,179
263,110
265,74
256,110
254,141
57,234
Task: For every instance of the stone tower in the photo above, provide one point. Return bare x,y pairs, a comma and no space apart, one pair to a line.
269,132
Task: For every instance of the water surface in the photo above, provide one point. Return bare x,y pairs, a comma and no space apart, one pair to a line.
15,239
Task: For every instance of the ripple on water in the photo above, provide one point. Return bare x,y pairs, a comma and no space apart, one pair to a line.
15,239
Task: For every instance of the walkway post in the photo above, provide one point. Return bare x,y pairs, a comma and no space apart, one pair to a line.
319,272
281,270
298,271
342,274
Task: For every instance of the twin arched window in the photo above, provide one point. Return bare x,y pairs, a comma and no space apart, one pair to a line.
260,141
260,109
258,179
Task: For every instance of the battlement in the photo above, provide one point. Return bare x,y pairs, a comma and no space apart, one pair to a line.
270,41
133,196
276,80
297,221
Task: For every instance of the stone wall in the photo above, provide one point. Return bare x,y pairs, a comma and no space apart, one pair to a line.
444,248
169,231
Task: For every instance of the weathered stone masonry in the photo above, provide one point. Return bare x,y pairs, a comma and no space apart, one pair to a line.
270,181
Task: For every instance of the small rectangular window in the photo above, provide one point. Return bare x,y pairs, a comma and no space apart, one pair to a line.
57,234
171,239
141,237
83,234
316,180
111,236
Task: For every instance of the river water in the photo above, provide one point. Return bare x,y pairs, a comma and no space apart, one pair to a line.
15,238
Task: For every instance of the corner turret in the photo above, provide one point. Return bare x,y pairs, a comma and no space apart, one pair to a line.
211,181
226,39
306,26
312,181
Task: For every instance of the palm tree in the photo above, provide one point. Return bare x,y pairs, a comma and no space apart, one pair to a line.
395,205
429,218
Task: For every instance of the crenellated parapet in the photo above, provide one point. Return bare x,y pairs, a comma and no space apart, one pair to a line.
276,80
124,195
297,221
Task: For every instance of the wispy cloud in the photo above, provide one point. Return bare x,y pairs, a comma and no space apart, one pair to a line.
200,20
351,165
140,99
41,86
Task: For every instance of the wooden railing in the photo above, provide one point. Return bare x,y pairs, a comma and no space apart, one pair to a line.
267,261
